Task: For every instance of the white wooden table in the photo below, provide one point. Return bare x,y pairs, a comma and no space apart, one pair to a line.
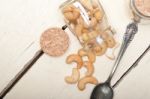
21,24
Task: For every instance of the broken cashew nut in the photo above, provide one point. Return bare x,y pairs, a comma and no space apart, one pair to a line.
84,81
75,58
90,68
74,77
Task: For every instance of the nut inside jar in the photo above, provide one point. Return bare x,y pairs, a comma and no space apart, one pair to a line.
85,19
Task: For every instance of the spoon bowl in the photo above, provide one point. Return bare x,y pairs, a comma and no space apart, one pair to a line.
102,91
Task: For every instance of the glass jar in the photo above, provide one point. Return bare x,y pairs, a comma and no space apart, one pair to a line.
87,20
141,10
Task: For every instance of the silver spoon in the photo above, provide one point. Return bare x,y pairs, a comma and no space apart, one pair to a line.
104,90
131,67
23,71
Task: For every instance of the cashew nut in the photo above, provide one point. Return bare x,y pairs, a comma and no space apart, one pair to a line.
90,68
84,81
69,16
74,78
104,35
98,15
93,34
100,49
76,13
94,3
91,56
85,37
82,22
85,30
71,13
75,58
93,22
110,41
87,4
78,29
97,49
113,52
68,9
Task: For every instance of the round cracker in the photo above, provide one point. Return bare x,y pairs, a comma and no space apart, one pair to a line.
54,41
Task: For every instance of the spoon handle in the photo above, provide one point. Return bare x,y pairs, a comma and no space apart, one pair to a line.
26,67
132,66
131,30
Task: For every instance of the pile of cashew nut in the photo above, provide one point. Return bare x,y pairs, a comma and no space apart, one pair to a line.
88,76
94,38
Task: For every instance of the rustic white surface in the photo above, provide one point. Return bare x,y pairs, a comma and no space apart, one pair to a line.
21,24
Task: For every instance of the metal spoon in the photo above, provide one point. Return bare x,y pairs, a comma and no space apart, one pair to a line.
23,71
131,67
104,90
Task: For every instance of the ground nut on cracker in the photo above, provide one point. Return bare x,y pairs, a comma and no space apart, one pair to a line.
51,45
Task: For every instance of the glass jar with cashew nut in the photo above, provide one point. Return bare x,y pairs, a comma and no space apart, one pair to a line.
87,21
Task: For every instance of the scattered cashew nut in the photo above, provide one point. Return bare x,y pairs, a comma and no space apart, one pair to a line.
75,58
110,41
84,81
91,56
90,68
74,78
101,49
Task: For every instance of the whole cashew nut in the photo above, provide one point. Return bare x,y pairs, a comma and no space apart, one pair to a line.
71,13
110,41
75,58
78,29
91,56
100,49
97,49
84,81
98,15
93,22
74,77
68,9
90,68
87,4
82,22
